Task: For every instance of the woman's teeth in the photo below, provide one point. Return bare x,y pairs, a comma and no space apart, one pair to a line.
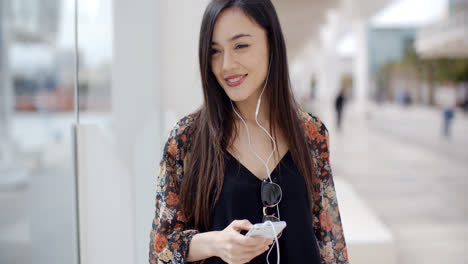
236,79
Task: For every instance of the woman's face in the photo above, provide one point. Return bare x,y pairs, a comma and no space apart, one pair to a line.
240,55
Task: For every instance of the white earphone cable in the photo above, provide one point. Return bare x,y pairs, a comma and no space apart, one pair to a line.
256,120
277,245
269,157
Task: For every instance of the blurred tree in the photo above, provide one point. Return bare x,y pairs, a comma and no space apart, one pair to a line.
455,70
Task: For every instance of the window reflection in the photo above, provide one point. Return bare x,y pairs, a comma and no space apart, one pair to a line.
37,189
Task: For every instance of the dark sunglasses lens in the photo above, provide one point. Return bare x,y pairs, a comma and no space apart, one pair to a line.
271,193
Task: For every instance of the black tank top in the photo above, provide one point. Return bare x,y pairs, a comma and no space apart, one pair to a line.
240,199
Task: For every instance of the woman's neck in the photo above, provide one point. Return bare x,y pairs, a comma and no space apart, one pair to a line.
247,109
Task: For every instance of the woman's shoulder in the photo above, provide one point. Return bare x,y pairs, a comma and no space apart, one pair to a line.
314,128
180,135
184,126
182,131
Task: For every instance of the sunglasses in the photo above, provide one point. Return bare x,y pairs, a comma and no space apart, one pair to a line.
271,196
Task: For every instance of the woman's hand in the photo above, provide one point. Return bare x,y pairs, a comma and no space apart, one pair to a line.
234,248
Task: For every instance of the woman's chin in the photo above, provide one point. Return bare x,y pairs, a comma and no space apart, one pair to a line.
241,93
238,97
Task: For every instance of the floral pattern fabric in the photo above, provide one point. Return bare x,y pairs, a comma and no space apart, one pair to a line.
170,236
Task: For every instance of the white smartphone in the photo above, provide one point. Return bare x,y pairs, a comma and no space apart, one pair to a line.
266,230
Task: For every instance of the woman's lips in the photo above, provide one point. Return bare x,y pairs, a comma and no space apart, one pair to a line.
235,80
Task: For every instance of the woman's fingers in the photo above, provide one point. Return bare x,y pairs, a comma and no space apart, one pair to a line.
258,248
250,254
252,247
240,248
251,241
239,225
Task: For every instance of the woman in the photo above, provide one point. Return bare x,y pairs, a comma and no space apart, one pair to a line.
209,190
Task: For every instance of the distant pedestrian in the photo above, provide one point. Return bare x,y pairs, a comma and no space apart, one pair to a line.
406,98
339,105
446,100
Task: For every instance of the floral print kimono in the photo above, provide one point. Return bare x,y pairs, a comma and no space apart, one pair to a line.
169,237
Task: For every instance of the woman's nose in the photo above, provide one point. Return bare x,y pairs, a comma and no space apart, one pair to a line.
229,62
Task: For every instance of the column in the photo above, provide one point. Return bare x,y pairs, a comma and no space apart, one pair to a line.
6,99
137,108
361,84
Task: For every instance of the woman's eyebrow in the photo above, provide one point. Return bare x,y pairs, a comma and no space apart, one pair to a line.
240,35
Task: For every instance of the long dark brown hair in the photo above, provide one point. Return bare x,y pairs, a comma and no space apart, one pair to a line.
213,130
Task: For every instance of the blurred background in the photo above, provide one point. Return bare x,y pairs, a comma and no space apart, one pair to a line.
78,162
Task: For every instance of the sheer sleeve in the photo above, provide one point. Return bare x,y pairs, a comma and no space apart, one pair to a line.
327,220
169,237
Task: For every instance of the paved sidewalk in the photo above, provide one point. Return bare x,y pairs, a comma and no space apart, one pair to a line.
422,126
412,179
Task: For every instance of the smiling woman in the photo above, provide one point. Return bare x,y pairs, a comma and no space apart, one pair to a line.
213,175
239,55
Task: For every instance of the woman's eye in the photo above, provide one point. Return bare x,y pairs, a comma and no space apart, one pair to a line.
241,46
214,51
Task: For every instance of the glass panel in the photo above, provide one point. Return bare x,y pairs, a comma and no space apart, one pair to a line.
37,190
